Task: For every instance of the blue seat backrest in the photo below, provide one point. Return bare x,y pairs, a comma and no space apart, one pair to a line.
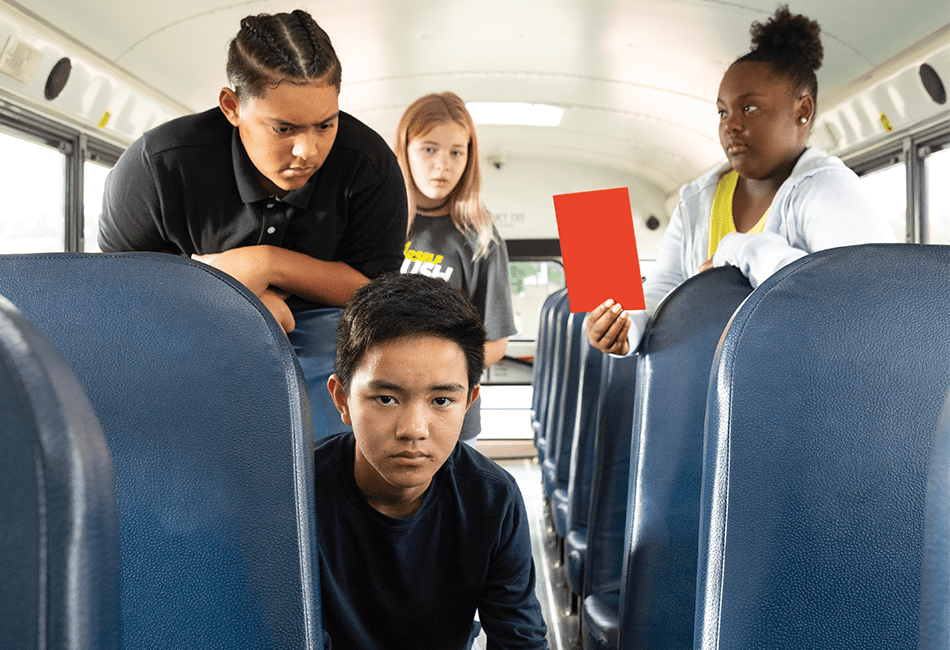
541,355
608,505
935,579
59,527
205,412
560,433
581,467
821,414
541,381
658,597
560,314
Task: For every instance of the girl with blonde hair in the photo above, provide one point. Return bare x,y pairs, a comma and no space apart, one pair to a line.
450,234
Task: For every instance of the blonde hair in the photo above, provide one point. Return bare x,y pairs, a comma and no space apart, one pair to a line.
464,201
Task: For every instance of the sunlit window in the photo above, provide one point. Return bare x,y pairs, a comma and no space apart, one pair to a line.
94,176
937,168
32,187
531,283
887,190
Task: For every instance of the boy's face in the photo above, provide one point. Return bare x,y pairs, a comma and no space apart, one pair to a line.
406,404
287,133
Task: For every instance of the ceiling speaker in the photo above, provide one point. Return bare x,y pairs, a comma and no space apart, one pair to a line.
58,78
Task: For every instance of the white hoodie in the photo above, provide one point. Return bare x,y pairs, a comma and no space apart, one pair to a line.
820,205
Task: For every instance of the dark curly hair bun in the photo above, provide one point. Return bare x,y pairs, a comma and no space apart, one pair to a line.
794,37
791,45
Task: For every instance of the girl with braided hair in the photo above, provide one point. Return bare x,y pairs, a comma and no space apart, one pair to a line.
774,201
297,200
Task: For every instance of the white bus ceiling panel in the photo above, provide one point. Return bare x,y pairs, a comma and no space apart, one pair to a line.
895,99
95,95
519,195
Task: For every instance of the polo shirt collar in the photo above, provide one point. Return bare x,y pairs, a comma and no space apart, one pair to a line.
250,189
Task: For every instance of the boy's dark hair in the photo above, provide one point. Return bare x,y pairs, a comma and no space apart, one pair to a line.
271,48
791,45
397,305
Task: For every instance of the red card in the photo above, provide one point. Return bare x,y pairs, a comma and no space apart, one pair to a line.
599,249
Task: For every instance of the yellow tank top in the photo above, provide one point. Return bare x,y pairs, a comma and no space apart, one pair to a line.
721,221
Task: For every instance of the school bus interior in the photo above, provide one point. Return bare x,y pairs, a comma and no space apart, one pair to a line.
148,502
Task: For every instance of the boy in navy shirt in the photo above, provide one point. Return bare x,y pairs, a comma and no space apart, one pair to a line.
416,531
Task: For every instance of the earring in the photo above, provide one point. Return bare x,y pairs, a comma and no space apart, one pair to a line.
804,120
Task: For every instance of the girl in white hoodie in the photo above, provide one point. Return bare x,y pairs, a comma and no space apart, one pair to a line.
774,201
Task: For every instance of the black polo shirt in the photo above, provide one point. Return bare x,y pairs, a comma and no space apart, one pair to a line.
188,186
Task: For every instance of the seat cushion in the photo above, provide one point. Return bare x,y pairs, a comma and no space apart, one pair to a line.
602,621
575,548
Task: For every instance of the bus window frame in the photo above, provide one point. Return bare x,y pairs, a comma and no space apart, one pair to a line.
530,251
534,251
76,145
912,149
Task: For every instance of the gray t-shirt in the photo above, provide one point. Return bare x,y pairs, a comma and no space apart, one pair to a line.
436,248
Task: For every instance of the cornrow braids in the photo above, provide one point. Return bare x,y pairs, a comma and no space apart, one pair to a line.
302,24
270,49
276,51
791,45
322,60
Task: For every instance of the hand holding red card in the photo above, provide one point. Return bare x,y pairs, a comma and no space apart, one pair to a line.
599,249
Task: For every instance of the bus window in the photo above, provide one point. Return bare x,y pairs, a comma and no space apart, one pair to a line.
32,178
937,168
531,283
94,179
887,191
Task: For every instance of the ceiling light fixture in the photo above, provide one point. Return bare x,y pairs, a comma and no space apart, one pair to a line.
519,113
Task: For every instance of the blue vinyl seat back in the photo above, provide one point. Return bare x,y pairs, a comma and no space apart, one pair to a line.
557,461
935,578
548,345
608,505
581,468
561,313
658,596
821,414
59,527
205,412
541,356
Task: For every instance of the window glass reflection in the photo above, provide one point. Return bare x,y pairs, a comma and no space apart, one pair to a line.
531,283
937,169
887,191
32,184
94,179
